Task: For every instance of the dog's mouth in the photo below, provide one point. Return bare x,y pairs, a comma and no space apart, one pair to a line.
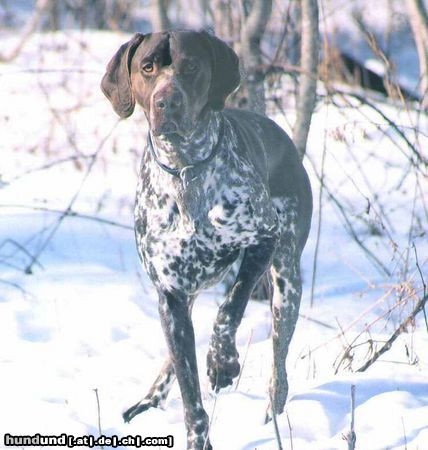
166,128
171,128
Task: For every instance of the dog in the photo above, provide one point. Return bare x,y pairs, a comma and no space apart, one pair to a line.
215,185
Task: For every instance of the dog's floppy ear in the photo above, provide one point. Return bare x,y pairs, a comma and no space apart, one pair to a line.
225,75
116,83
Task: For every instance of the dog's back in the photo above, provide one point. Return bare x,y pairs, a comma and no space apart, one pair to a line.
275,157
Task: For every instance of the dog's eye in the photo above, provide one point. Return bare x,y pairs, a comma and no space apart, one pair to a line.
190,67
148,67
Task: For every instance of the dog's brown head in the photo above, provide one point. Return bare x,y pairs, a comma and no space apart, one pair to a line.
173,75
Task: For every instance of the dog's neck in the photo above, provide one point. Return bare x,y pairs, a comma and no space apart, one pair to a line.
182,155
177,152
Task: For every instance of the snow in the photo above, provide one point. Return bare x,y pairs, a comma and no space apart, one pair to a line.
86,318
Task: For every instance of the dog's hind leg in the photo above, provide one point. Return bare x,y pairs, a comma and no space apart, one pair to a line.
287,292
157,393
160,389
222,359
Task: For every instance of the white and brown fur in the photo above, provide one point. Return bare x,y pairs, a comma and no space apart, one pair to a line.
214,184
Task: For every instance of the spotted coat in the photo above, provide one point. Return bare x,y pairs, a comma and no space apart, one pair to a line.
188,238
215,184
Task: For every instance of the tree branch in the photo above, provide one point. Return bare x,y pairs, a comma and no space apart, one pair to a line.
29,29
420,306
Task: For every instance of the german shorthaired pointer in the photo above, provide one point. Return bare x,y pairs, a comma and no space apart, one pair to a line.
215,184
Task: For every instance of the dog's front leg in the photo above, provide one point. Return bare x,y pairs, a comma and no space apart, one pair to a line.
222,359
180,337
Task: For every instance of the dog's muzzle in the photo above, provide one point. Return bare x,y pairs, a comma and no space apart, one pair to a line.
168,111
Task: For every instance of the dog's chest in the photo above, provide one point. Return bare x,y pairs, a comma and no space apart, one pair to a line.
189,236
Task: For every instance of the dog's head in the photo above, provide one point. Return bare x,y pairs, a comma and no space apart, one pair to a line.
174,75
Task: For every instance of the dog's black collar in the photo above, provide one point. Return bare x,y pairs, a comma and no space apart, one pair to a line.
185,173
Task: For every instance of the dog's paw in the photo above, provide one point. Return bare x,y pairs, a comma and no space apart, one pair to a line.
138,408
222,366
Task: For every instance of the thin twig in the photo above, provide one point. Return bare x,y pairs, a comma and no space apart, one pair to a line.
20,248
346,353
98,413
320,196
420,305
58,118
419,270
318,322
355,321
351,437
282,39
390,122
367,327
49,165
423,283
404,434
290,429
211,420
410,235
71,203
379,127
348,224
71,213
244,360
28,30
24,293
275,424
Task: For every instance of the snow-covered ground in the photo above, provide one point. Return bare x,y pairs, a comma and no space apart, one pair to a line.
86,317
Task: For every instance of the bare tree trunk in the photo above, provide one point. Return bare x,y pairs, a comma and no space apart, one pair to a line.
419,22
223,19
308,79
160,20
295,44
53,11
254,18
29,29
204,5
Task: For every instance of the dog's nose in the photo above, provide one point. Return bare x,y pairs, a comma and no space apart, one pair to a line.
172,101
